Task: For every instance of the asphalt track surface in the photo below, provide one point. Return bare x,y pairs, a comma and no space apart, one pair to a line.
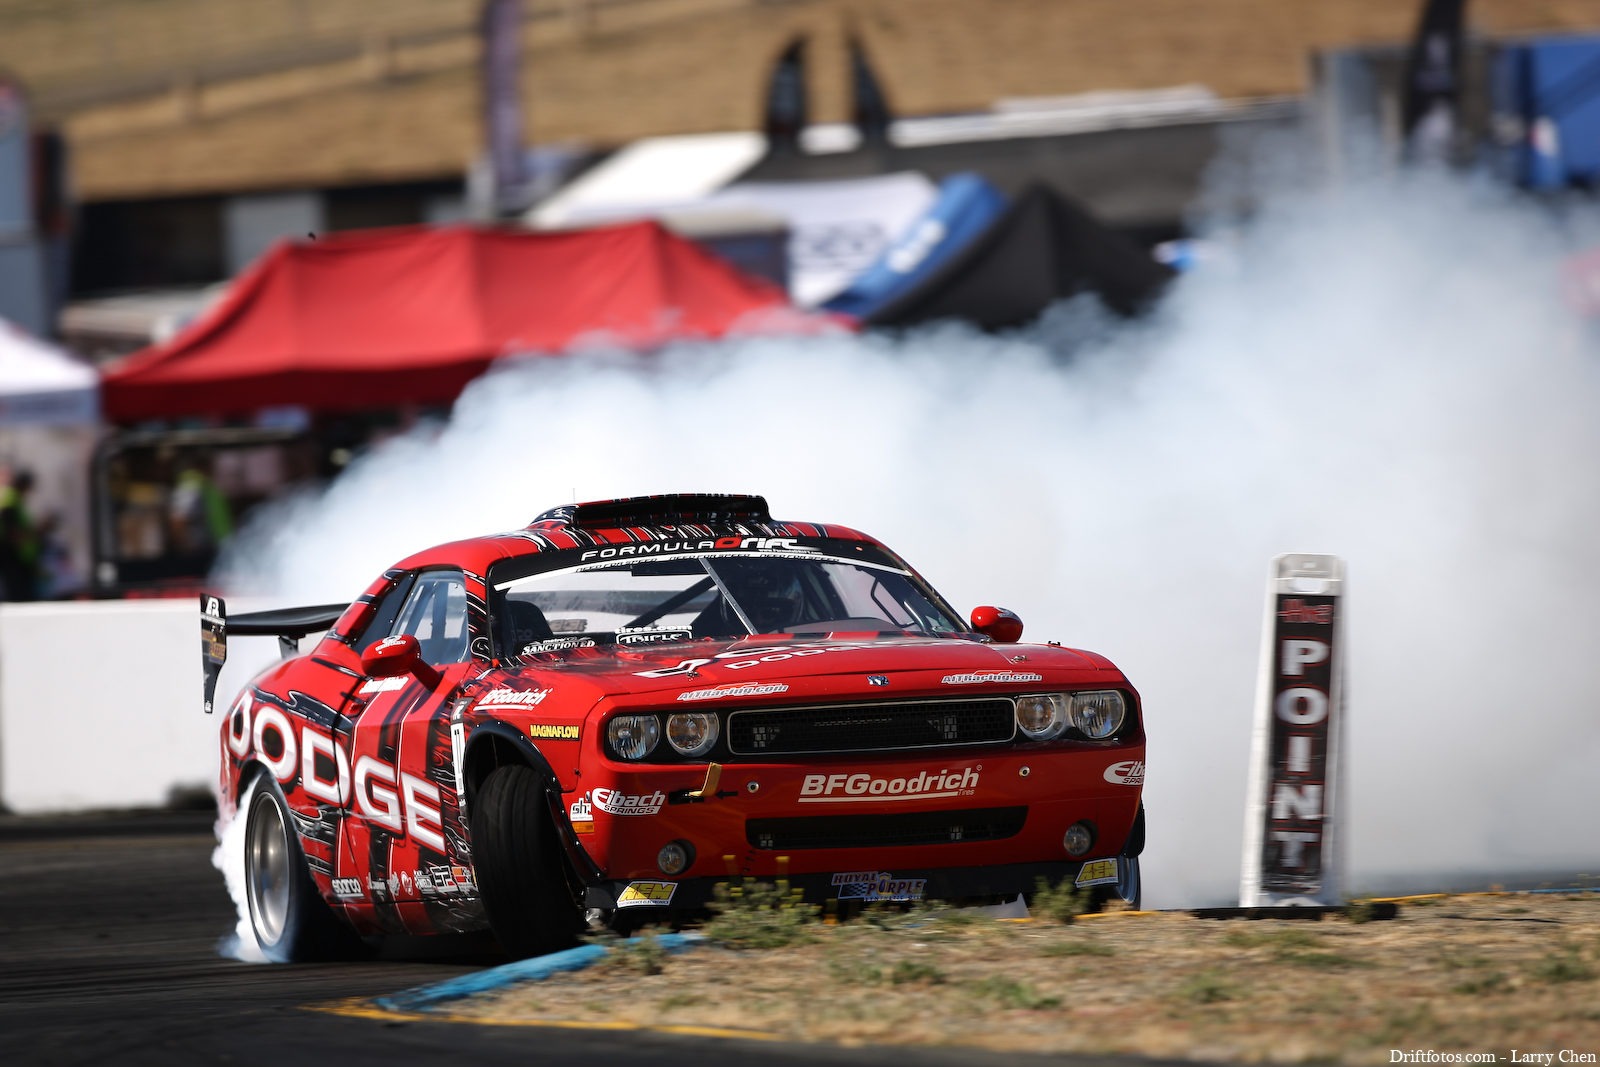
109,934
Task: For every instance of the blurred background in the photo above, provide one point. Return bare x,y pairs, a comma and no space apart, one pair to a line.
1158,289
151,151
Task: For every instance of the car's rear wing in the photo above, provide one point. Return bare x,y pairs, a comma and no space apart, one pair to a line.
289,625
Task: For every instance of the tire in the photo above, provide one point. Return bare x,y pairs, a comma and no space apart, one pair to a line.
519,866
290,920
1129,886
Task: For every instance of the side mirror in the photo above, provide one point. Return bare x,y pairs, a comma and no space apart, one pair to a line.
1001,625
397,655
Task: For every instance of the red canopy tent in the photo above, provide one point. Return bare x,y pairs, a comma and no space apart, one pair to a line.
412,314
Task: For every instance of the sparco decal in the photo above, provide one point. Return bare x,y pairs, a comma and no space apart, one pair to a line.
1128,772
926,785
878,885
752,689
615,803
514,698
550,731
991,677
720,544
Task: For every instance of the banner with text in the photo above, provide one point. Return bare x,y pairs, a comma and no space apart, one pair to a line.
1292,846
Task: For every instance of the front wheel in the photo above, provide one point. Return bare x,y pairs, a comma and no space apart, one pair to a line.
1129,886
288,916
518,864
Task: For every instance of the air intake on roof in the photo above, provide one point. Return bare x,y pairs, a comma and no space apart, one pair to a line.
667,508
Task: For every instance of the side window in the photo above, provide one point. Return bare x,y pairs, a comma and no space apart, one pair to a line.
435,613
382,621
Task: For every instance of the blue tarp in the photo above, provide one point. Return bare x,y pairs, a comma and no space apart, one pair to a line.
965,209
1551,87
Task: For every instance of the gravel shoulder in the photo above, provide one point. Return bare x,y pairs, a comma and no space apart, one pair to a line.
1499,975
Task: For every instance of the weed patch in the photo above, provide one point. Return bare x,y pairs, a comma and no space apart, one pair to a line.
759,915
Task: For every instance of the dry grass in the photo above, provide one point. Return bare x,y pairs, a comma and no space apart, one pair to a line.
1473,973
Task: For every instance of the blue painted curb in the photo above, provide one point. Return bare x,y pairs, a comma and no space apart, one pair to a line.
423,998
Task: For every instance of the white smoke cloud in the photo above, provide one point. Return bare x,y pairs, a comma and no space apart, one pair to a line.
228,857
1385,372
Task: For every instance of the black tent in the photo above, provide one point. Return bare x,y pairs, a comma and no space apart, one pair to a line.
1044,248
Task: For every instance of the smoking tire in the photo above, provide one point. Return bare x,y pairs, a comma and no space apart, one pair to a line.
1128,888
289,918
518,866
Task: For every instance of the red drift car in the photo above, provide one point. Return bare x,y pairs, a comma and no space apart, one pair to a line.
600,717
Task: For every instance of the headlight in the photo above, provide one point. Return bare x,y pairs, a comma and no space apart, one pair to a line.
633,736
1041,717
1099,714
692,733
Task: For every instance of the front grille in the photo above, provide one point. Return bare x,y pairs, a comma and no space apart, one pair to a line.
870,727
882,831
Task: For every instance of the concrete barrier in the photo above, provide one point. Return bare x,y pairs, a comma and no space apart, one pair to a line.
100,703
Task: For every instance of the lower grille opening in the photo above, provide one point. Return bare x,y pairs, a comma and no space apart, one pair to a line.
901,828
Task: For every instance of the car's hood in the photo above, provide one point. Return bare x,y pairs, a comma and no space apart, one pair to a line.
753,667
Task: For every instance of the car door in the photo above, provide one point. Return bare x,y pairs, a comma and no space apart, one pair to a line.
404,826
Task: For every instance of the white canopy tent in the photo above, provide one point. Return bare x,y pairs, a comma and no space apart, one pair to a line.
49,420
41,385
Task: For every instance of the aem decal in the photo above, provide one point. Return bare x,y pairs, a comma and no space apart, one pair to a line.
646,893
1097,872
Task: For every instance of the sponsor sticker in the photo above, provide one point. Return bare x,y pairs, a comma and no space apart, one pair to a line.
378,888
347,888
613,802
581,814
720,544
1128,772
871,886
652,635
1097,872
385,685
925,785
556,644
553,731
752,689
443,879
992,678
644,893
514,698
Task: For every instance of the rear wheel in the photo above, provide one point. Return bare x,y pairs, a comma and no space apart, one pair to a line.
290,919
519,866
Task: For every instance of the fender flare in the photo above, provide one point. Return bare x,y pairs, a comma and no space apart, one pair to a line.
582,865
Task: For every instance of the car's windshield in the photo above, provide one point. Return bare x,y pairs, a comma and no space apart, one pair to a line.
724,594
